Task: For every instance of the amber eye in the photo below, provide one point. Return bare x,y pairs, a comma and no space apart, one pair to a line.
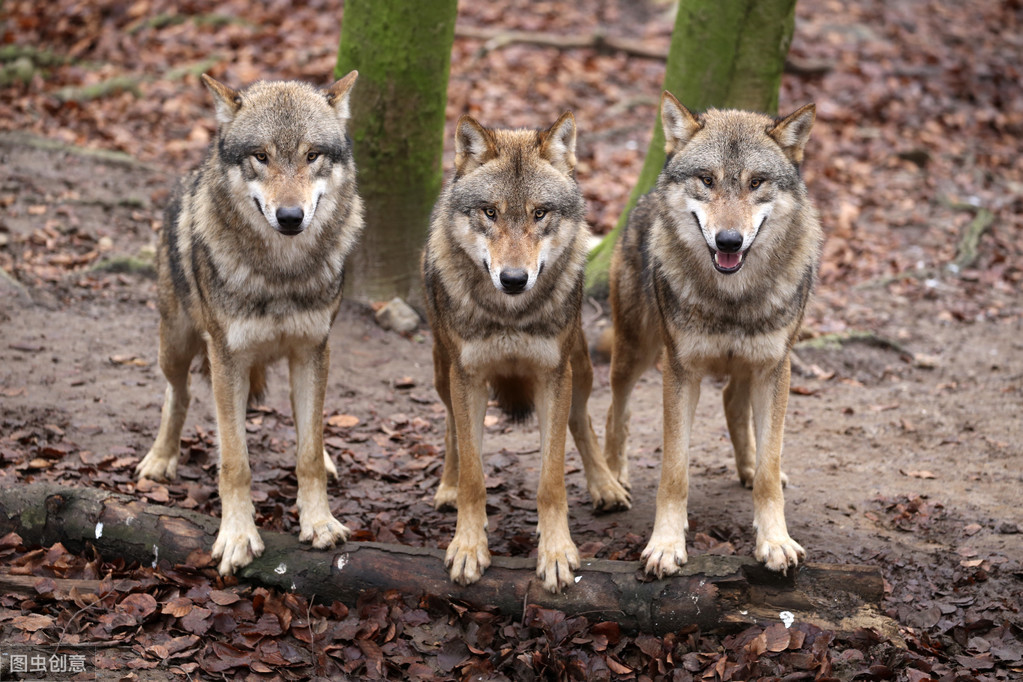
312,156
755,183
260,156
539,213
707,180
490,212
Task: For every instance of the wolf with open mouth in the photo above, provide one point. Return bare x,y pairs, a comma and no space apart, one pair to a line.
714,268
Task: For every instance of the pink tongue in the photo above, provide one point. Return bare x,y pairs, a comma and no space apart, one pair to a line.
728,260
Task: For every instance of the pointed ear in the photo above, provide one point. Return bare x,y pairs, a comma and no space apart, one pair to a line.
474,145
792,132
338,94
226,101
558,143
678,122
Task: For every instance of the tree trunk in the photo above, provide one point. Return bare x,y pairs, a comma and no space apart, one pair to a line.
402,51
724,55
717,593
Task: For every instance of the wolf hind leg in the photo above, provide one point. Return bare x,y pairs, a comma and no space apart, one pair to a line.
739,415
179,343
446,496
631,355
606,492
328,463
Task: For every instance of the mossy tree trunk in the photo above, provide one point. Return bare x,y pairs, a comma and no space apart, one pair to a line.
402,51
724,55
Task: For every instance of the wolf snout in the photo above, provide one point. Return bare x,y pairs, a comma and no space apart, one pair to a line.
729,241
289,219
728,257
514,280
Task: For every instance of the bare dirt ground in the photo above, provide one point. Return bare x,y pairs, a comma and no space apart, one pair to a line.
903,446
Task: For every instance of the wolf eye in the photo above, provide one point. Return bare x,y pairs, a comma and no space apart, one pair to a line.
755,183
490,212
260,156
707,180
539,213
312,156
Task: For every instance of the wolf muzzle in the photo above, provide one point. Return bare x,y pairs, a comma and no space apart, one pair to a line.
728,258
289,220
513,280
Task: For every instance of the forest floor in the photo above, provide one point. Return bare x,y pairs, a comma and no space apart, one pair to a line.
904,442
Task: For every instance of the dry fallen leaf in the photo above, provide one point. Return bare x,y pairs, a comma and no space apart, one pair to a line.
32,622
343,421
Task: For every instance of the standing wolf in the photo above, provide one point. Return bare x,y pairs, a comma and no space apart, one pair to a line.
715,267
503,273
250,269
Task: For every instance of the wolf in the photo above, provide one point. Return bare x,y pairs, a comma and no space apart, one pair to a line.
714,270
503,281
250,270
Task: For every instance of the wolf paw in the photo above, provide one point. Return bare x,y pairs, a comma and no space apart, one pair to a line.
778,554
323,532
446,498
609,495
665,556
328,464
467,557
236,546
555,563
158,466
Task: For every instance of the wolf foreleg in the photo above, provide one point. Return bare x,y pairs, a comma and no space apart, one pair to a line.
467,555
666,551
769,393
238,541
308,368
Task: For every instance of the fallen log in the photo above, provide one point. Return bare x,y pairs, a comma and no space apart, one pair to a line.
716,593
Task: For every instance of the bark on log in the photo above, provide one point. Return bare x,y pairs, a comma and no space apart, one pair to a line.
717,593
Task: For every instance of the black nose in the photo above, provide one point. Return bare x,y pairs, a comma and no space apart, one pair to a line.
514,280
729,241
290,218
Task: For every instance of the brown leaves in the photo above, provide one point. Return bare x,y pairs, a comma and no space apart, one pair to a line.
342,421
32,622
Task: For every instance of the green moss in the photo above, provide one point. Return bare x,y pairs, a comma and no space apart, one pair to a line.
402,52
127,265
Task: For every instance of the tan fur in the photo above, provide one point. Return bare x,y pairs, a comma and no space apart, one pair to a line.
503,273
714,269
250,271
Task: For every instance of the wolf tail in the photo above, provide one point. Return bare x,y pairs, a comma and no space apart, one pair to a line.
514,395
257,380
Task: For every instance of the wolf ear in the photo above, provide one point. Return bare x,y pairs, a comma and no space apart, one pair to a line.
474,145
226,101
557,143
678,122
792,132
338,95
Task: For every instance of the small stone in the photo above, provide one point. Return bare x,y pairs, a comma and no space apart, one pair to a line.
398,316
